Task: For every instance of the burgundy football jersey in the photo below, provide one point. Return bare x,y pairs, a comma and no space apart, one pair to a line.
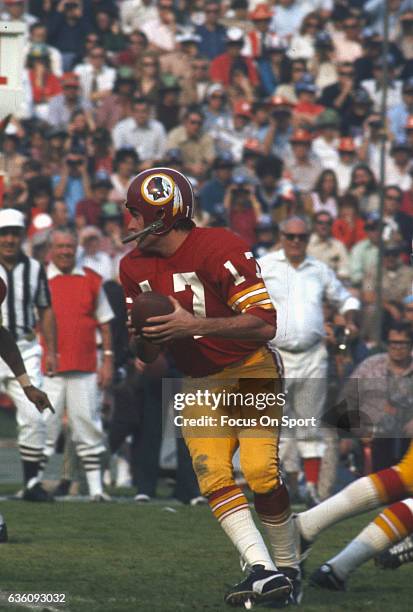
212,274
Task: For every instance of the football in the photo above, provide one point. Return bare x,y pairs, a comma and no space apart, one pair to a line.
3,290
146,305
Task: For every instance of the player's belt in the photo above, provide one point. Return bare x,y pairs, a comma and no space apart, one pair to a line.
299,350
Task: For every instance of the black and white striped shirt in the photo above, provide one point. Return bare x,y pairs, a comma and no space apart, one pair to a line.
27,290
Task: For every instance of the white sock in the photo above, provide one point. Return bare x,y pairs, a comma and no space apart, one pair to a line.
283,543
243,533
370,542
357,497
94,482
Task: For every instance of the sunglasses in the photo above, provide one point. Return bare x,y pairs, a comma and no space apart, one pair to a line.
324,222
11,231
393,198
292,237
401,343
195,121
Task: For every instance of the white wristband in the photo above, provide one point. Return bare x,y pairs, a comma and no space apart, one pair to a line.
24,380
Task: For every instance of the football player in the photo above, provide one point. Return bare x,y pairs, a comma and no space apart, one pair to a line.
394,484
10,353
218,332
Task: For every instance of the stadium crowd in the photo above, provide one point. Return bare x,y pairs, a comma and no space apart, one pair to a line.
272,110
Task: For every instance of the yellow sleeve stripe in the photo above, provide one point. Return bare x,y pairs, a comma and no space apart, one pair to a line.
258,292
239,295
258,297
266,304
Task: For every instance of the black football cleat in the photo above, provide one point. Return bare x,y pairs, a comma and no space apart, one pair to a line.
36,493
397,555
3,531
325,578
63,488
260,586
296,595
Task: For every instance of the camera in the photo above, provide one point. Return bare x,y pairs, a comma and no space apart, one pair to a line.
341,336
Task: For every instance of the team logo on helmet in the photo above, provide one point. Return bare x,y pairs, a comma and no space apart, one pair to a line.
158,189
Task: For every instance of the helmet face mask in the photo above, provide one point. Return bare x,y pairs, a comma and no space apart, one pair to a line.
161,194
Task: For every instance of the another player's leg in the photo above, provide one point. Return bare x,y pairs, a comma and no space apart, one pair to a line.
86,425
397,555
31,440
390,527
366,493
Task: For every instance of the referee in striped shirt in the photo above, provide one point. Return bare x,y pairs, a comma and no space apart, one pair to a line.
28,301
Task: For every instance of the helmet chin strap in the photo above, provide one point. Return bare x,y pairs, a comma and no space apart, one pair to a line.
153,227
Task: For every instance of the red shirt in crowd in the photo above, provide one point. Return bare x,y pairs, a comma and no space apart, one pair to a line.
80,305
349,234
221,67
90,210
50,87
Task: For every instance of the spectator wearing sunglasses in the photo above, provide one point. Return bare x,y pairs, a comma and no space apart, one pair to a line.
298,284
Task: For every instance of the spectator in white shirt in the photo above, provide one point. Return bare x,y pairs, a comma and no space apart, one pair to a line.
324,197
374,87
91,255
160,31
298,284
146,136
325,145
15,10
399,165
95,77
347,161
134,13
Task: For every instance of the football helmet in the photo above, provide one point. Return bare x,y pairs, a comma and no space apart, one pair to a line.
161,194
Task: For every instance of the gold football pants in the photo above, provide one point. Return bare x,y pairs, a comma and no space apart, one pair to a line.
235,424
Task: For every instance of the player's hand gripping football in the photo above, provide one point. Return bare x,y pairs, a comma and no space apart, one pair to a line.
38,398
179,324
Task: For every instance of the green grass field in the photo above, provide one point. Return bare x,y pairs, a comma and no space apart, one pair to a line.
127,558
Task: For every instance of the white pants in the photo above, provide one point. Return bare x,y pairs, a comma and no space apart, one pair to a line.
30,423
306,386
78,393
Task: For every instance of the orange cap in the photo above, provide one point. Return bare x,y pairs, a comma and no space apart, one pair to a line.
242,107
252,144
280,101
301,135
347,145
261,11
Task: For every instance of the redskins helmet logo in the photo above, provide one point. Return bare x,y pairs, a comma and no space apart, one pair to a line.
159,189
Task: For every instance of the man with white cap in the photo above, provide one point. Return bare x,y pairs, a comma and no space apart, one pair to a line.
28,298
228,64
